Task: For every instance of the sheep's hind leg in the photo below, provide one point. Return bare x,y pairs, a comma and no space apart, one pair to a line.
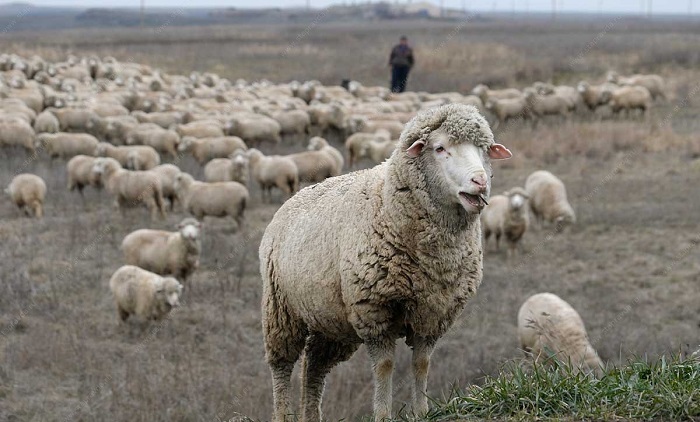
320,356
422,349
381,352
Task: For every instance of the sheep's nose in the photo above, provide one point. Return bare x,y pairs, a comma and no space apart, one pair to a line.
480,181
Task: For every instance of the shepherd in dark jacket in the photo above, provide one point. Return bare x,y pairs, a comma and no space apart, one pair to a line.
401,61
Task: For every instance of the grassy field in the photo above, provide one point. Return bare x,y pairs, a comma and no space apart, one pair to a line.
630,266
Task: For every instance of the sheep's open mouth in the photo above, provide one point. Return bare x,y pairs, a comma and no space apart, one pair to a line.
478,201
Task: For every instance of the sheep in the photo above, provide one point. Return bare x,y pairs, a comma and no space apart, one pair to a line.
162,140
74,119
206,149
255,129
17,132
508,108
362,124
548,199
66,145
548,327
164,119
27,191
212,199
136,157
389,252
320,144
200,129
131,187
46,122
163,252
506,215
314,166
167,174
80,174
354,144
292,122
485,94
327,116
232,169
630,98
273,171
144,294
377,151
653,83
543,105
595,96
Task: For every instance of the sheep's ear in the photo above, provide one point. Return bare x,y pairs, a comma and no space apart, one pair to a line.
415,149
499,152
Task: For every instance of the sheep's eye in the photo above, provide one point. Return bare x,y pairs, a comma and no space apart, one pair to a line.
440,149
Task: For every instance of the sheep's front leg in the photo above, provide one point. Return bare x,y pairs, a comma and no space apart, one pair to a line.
381,352
422,349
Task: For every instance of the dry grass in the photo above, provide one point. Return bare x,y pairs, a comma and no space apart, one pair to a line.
629,266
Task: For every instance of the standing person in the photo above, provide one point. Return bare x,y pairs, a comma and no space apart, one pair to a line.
401,61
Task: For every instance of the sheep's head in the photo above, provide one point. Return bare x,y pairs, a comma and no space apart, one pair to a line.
316,143
167,292
185,143
189,229
517,199
254,155
582,87
182,181
452,147
104,166
613,77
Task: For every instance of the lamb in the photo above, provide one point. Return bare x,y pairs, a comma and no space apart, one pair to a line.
131,187
27,191
167,174
389,252
273,171
206,149
136,157
506,215
80,173
548,199
508,108
17,132
653,83
46,122
485,94
144,294
314,166
320,144
548,327
163,252
162,140
212,199
355,143
232,169
66,145
630,98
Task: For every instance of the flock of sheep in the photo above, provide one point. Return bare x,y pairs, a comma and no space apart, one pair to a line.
396,250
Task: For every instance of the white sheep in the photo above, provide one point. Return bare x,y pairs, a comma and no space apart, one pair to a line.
317,143
143,294
654,83
27,191
389,252
506,215
167,174
220,199
355,143
549,328
163,252
66,145
630,98
135,157
273,171
235,168
205,149
80,174
508,108
17,132
46,122
548,200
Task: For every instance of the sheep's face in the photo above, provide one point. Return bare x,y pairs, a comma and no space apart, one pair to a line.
464,170
517,201
168,293
189,229
184,144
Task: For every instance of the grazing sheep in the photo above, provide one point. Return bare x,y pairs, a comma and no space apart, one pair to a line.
630,98
200,129
292,122
135,157
206,149
485,94
164,119
320,144
46,122
131,187
356,142
508,108
165,253
143,294
66,145
74,119
506,215
314,166
27,191
549,328
653,83
167,174
232,169
17,132
80,173
273,171
220,199
546,105
162,140
362,124
595,96
389,252
377,151
255,129
548,199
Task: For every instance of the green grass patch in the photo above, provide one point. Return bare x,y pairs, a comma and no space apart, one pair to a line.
666,389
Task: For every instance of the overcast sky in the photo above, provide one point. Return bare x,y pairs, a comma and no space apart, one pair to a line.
627,6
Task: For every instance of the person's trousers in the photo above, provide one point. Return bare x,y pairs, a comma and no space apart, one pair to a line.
399,76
